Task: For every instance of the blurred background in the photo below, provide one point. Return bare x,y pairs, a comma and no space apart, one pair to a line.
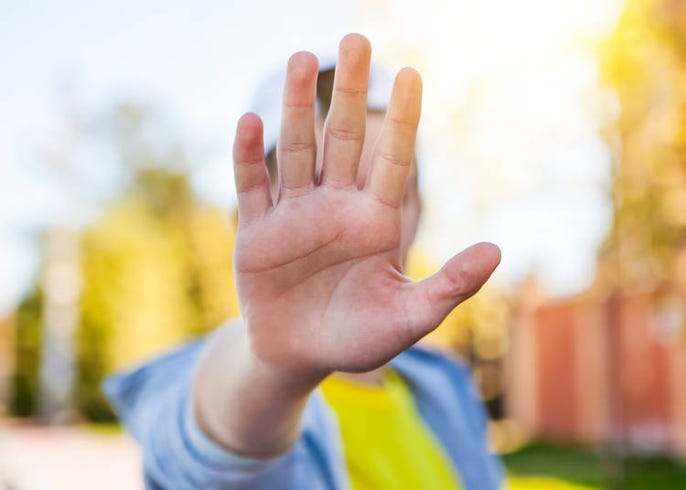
554,129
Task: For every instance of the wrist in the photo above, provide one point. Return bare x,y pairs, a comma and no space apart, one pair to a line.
249,407
285,374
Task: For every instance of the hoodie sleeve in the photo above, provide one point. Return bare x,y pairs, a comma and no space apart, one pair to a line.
153,404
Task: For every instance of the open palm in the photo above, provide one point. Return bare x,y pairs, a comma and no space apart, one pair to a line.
318,271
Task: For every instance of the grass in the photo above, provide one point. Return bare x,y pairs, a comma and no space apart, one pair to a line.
555,467
102,428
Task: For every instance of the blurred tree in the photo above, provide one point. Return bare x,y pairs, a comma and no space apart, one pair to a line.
157,271
157,265
645,62
25,387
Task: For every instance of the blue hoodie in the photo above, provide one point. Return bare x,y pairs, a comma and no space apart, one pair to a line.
153,403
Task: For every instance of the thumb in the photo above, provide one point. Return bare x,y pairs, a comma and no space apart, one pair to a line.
460,278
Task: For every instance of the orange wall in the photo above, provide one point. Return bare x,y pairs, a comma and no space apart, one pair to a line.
600,370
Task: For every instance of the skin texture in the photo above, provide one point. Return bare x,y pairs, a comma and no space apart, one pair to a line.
318,260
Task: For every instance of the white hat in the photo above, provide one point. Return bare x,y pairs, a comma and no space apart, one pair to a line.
267,100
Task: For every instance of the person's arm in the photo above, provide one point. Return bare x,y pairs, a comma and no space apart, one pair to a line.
245,405
318,270
153,403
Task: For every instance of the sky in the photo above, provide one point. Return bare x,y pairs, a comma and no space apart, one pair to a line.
510,143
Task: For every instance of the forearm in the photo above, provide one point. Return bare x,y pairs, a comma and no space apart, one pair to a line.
244,405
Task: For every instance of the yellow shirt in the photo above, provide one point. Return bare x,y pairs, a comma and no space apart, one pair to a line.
387,445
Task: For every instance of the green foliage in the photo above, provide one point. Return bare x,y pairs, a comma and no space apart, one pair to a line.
644,63
157,264
25,389
156,268
92,338
146,283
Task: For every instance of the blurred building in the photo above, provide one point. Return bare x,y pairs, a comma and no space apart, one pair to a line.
61,309
602,369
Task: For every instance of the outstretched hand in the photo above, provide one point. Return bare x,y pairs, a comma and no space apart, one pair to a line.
318,268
